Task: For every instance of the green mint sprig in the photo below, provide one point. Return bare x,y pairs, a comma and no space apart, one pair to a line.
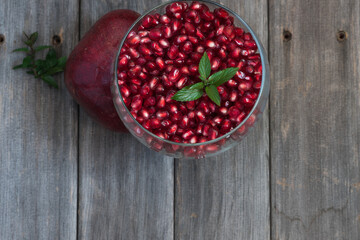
210,83
40,68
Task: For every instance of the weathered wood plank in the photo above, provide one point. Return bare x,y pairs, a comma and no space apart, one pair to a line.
126,190
227,197
38,153
315,112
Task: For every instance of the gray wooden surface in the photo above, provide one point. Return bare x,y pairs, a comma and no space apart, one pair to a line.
38,129
296,176
315,113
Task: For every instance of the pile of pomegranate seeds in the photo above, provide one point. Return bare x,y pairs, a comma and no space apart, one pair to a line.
162,56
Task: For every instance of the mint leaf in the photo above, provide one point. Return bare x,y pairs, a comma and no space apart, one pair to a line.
188,94
222,76
198,85
27,62
50,80
39,48
21,50
33,37
61,62
204,67
18,66
213,94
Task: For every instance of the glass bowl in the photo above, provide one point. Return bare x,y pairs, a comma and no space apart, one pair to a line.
197,150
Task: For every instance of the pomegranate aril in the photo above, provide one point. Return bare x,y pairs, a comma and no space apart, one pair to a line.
221,13
213,133
144,113
136,103
169,95
223,110
233,96
176,25
146,124
210,44
155,46
217,120
184,122
187,134
162,114
155,123
193,69
167,32
225,126
125,92
133,53
175,117
161,102
174,74
239,31
181,82
233,112
215,63
187,47
172,129
164,19
165,123
200,116
160,89
150,101
173,52
205,131
193,40
145,90
144,50
145,40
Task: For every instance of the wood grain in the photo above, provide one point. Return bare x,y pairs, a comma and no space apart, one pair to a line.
38,128
315,112
126,190
227,197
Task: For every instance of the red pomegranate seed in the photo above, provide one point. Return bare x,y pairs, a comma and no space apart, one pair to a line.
167,32
161,102
155,123
136,102
145,40
221,13
162,114
200,116
144,50
223,111
181,82
164,19
125,92
187,134
173,52
215,63
176,25
175,117
205,131
210,44
164,43
150,101
213,133
234,112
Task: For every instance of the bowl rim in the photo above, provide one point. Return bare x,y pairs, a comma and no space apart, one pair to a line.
264,78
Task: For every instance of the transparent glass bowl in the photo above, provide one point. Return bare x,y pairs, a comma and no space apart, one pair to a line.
197,150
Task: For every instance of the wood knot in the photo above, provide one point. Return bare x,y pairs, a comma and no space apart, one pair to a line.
341,36
287,36
56,40
2,39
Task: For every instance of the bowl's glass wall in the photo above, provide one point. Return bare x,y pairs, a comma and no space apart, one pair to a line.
198,150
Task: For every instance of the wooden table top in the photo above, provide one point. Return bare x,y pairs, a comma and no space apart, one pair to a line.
296,175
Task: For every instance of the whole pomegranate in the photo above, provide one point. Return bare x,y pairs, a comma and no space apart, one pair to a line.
90,65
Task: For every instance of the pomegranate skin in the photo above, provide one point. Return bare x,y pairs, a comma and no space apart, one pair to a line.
89,68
